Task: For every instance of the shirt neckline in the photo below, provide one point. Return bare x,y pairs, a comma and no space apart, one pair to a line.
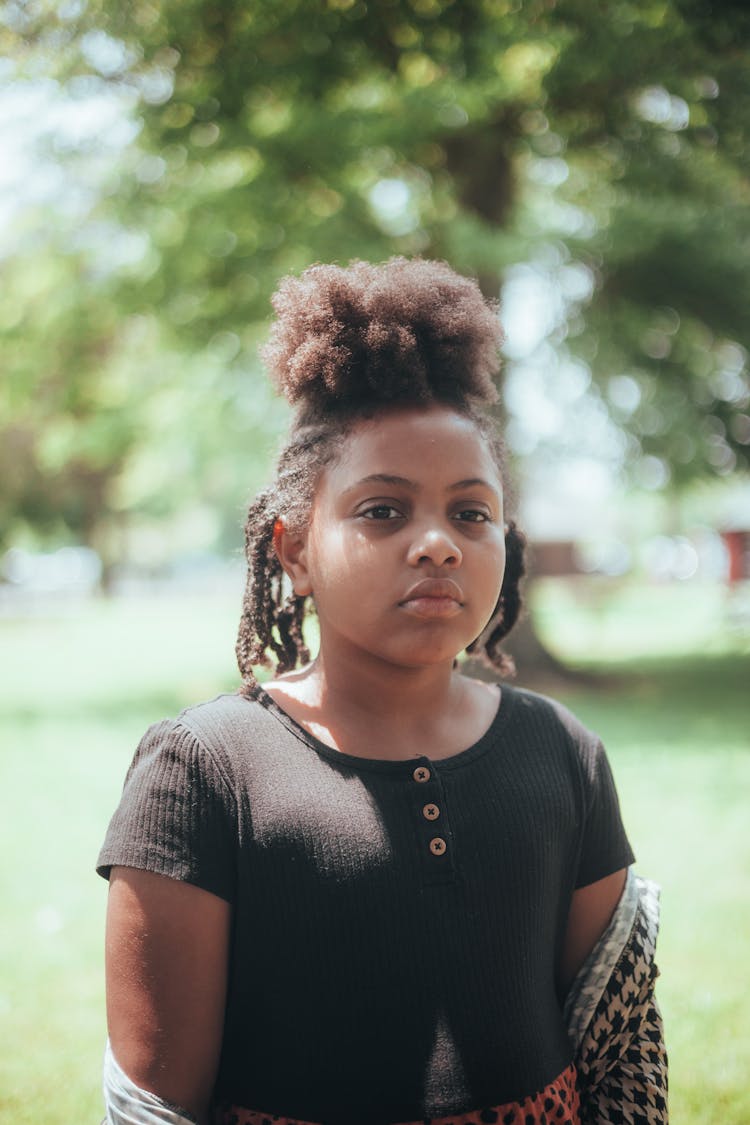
508,696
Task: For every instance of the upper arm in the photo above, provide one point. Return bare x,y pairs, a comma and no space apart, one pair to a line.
590,913
166,966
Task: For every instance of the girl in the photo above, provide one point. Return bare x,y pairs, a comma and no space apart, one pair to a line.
361,893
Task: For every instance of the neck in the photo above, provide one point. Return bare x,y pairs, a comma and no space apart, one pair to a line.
377,710
365,688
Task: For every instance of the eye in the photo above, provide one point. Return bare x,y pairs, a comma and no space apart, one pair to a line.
381,512
472,515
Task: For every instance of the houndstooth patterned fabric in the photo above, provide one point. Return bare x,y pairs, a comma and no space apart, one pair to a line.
614,1021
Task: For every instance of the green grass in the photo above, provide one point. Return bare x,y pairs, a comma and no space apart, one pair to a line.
674,710
80,686
78,689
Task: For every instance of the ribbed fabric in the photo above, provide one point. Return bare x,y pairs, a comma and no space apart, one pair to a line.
389,964
557,1104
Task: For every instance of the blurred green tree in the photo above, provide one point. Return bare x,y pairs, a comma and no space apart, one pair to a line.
605,144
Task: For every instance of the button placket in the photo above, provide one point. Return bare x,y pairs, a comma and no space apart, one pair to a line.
432,825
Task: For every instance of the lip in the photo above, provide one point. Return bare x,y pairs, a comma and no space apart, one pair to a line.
438,588
433,597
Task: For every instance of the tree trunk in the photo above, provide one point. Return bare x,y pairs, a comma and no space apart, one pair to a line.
535,665
534,662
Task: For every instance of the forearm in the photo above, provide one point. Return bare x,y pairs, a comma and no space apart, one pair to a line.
128,1104
166,959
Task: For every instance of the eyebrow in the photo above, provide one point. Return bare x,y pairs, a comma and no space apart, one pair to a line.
404,482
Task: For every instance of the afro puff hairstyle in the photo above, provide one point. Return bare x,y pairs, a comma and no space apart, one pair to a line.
347,343
407,331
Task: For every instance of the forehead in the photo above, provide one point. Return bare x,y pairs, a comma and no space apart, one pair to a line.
429,445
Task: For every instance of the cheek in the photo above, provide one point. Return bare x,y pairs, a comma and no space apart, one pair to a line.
349,575
502,556
332,559
493,566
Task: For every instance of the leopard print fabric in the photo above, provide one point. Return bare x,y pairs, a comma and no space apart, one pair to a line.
556,1104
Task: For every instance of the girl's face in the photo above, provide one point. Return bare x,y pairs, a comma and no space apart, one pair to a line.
405,551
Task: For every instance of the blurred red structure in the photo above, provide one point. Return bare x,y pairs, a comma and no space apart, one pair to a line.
737,544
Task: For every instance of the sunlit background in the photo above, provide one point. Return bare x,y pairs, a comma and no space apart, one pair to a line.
162,165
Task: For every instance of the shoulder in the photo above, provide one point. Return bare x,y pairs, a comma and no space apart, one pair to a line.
215,721
537,711
545,723
202,739
197,743
239,733
235,722
179,814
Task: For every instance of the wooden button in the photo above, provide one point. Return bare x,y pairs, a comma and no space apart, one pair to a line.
437,845
430,812
421,773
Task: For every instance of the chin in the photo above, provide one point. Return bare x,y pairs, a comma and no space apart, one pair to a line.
429,656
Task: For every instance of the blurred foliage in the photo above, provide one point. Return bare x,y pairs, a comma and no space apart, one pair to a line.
612,139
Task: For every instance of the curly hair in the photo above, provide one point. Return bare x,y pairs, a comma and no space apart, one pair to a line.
347,344
406,331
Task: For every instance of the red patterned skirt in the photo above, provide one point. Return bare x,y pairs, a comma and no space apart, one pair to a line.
556,1104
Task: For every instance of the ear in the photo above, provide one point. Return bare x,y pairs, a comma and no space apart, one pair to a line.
291,551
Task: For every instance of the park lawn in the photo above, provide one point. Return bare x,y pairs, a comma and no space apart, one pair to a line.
78,690
673,707
80,687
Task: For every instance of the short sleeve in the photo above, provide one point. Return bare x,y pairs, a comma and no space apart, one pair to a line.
604,845
177,814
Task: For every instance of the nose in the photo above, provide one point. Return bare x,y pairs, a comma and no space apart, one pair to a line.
435,544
